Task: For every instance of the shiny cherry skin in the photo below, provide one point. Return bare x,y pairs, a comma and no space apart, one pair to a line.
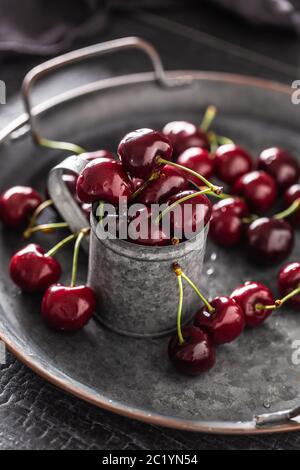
259,190
226,229
232,162
291,195
32,270
103,179
136,183
288,280
197,353
199,160
200,207
249,295
183,135
225,324
281,165
17,204
139,150
231,205
89,156
170,182
68,308
269,240
142,230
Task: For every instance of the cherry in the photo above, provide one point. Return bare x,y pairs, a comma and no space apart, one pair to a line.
225,324
170,182
259,190
137,183
33,270
248,296
269,240
226,229
140,149
183,135
17,204
103,179
288,280
146,231
231,205
232,162
291,195
200,213
68,308
195,355
89,156
199,160
281,165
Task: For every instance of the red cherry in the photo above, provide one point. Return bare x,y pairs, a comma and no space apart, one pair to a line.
199,160
103,179
281,165
288,280
183,135
249,295
269,240
291,195
226,229
170,182
139,150
90,156
195,355
137,183
17,204
32,270
231,205
68,308
232,162
259,190
181,222
146,231
225,324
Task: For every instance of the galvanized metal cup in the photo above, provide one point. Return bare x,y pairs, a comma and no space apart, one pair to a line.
135,285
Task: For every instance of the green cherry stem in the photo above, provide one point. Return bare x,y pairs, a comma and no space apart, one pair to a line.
155,175
46,228
44,205
60,244
79,238
213,188
58,145
208,118
179,201
279,302
289,211
179,310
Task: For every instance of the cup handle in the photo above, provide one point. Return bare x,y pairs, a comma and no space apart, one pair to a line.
61,196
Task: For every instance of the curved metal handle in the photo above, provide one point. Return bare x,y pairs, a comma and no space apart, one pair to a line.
277,417
88,52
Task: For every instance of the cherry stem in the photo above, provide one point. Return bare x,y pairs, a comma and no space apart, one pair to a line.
279,302
215,189
58,145
179,311
289,211
38,211
222,140
155,175
79,238
60,244
208,118
179,272
211,193
179,201
46,228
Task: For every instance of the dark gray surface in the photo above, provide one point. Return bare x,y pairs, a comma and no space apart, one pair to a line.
34,415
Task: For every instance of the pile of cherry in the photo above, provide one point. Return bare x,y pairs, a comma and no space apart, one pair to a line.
173,167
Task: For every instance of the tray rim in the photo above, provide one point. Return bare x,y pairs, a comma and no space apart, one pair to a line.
84,392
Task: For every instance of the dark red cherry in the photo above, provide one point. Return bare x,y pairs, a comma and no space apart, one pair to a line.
249,295
199,160
269,240
136,183
232,162
139,150
32,270
291,195
17,204
259,190
86,209
183,135
225,324
68,308
288,280
170,182
231,205
143,230
281,165
103,179
197,353
226,229
89,156
191,216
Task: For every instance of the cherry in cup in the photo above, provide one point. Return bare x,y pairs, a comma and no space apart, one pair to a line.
226,226
17,204
184,135
199,160
288,281
232,162
281,165
251,297
259,190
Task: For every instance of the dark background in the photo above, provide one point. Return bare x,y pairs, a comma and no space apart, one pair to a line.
34,414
